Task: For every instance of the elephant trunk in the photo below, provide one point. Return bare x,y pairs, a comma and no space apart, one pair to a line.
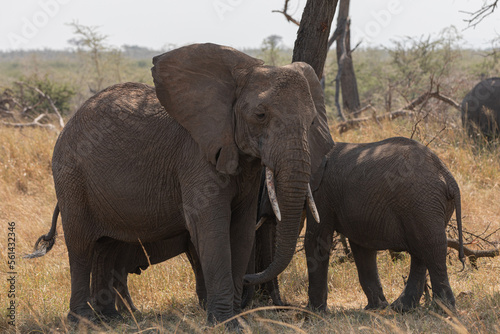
292,181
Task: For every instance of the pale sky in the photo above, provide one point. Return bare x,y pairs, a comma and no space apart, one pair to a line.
38,24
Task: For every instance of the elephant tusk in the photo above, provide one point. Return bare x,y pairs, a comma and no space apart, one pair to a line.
272,193
259,224
312,205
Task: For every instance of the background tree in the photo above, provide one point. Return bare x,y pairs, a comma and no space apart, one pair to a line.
103,62
347,77
311,45
89,40
271,50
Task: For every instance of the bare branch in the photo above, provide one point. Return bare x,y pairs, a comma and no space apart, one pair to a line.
447,100
52,104
405,111
477,238
437,135
288,17
361,110
356,123
34,123
48,98
336,34
481,14
415,127
453,243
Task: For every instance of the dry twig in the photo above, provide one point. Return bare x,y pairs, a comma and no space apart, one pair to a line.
288,17
48,98
405,111
34,123
474,253
481,14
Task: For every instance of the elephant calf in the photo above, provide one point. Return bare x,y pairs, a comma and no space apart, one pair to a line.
393,194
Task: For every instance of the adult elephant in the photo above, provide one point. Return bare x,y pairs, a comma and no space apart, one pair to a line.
481,109
136,166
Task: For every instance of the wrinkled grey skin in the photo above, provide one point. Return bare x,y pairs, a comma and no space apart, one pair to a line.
131,258
481,109
128,168
393,194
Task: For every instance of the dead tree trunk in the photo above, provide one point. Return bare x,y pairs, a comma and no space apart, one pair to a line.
348,84
311,45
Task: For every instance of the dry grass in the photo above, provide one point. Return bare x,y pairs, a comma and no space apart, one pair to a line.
165,293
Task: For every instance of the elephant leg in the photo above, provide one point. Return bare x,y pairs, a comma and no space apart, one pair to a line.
249,290
210,235
123,294
80,243
366,263
80,263
435,262
264,253
201,290
242,241
103,270
273,289
317,243
412,292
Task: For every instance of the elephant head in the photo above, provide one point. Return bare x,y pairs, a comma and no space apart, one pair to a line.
234,107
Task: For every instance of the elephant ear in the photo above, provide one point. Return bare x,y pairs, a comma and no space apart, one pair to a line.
320,139
197,86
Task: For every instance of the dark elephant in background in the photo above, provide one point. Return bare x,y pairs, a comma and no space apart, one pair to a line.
138,164
393,194
481,109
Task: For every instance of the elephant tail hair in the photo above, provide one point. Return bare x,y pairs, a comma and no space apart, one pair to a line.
455,193
45,243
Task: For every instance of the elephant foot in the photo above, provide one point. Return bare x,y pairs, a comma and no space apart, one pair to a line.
276,298
235,325
110,315
78,314
316,308
122,308
379,305
441,306
403,305
248,293
377,302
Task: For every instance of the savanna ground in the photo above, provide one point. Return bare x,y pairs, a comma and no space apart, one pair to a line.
165,293
388,79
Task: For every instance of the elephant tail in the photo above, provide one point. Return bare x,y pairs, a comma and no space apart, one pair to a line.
455,193
46,241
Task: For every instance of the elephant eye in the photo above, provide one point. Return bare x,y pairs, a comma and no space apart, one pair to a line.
260,115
